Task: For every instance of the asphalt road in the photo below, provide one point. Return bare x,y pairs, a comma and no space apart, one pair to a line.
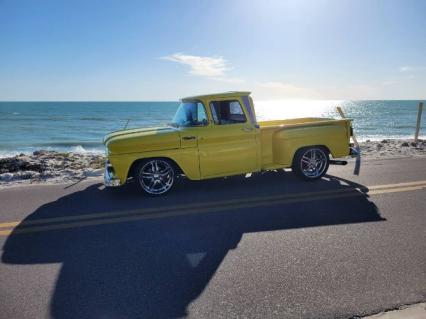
265,246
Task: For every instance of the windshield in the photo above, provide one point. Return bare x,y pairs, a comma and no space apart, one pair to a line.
190,114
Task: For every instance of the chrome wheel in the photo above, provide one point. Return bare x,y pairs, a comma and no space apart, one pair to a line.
313,163
156,177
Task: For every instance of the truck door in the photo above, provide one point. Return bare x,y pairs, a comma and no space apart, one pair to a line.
229,145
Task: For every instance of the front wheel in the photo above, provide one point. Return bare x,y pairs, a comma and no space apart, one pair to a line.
311,163
155,176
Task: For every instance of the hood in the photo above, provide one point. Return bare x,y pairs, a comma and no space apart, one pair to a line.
142,140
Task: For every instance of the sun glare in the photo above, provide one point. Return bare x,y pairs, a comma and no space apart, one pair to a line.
286,109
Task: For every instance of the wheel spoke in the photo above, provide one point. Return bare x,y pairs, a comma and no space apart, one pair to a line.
306,160
166,171
152,183
147,175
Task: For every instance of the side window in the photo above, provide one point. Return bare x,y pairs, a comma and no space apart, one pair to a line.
227,112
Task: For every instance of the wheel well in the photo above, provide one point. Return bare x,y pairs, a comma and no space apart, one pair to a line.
132,169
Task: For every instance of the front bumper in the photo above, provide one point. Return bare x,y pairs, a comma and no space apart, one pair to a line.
109,179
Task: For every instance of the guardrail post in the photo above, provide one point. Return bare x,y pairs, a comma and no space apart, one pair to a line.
419,118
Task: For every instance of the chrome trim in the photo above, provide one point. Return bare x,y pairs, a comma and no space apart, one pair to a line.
109,179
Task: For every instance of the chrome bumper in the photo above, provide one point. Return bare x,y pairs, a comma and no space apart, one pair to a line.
109,179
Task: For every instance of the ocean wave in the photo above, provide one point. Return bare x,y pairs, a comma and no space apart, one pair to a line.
90,144
96,119
376,138
55,119
82,147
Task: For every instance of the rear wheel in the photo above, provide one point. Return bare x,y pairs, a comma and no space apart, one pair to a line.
311,163
155,176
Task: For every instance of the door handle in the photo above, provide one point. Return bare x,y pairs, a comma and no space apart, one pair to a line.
187,138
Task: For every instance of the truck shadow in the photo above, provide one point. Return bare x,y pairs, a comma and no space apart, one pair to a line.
155,268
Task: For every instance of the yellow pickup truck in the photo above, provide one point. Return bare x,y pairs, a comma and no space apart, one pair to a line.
218,135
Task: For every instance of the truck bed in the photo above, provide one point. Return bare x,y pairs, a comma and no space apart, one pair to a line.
280,139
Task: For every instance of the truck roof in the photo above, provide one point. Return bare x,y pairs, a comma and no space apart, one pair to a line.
217,95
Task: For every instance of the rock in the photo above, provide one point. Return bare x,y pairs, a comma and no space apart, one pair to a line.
379,146
405,144
95,172
413,144
6,177
367,141
45,165
26,175
47,174
385,141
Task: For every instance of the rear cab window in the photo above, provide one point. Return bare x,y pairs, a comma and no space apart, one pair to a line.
227,112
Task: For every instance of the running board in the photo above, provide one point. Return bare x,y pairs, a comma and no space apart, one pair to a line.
336,162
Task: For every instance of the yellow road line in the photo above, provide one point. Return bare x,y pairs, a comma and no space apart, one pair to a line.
76,221
9,224
396,190
186,206
173,213
174,207
417,183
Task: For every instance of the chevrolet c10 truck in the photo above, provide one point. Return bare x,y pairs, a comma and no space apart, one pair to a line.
218,135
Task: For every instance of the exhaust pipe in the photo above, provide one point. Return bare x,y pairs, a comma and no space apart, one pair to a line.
337,162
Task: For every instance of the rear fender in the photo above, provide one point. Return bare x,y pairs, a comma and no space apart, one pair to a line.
287,141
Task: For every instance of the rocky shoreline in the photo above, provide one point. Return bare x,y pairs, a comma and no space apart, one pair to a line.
55,167
50,166
391,148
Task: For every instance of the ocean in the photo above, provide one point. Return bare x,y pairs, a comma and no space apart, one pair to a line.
80,126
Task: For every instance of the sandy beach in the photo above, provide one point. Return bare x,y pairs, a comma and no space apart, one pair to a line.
56,167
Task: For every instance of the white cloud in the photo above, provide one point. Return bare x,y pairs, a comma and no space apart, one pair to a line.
201,65
406,68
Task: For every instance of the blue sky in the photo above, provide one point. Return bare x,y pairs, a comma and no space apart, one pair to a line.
163,50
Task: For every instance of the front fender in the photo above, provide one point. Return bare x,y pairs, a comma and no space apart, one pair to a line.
186,159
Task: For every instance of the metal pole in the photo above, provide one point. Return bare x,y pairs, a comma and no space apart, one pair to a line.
419,118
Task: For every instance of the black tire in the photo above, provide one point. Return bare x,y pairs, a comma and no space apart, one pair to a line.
311,163
155,176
